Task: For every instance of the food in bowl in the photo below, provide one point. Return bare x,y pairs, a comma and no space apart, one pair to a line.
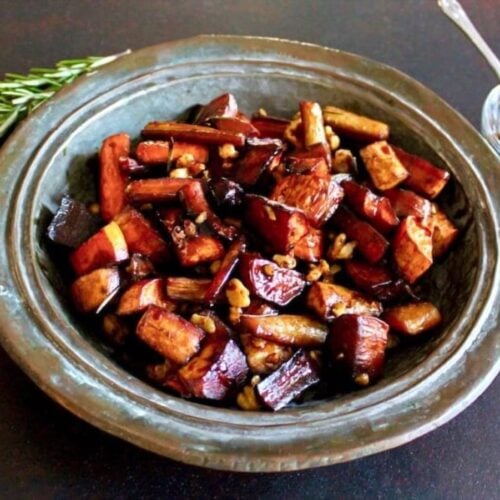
247,260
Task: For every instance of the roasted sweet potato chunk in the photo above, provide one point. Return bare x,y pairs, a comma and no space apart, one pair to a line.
412,249
191,133
141,236
444,233
142,294
193,250
311,246
312,122
370,243
156,190
329,301
153,152
107,246
424,177
216,371
407,203
358,343
259,156
279,225
184,289
268,281
355,126
383,166
286,329
112,180
413,318
169,334
289,381
264,356
377,209
318,197
89,292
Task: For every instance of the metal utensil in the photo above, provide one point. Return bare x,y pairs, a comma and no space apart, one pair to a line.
490,116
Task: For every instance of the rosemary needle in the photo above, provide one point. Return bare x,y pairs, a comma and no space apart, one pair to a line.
21,94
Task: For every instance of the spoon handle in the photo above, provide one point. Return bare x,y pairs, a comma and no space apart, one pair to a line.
456,13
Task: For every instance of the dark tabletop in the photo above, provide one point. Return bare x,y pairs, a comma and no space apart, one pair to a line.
48,453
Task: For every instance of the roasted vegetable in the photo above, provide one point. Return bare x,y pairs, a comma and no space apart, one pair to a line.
268,281
423,177
329,301
240,259
169,334
413,318
72,224
370,243
412,249
279,225
355,126
112,180
216,371
287,329
384,167
318,197
89,292
289,381
358,343
107,246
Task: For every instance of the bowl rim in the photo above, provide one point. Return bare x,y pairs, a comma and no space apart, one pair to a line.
71,367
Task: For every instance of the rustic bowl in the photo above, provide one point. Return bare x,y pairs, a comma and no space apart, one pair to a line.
425,384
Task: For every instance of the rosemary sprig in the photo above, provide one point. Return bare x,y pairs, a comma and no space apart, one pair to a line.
21,94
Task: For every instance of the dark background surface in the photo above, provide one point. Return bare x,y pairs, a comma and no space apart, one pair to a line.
46,452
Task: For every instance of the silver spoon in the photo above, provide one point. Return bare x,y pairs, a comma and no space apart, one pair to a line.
490,117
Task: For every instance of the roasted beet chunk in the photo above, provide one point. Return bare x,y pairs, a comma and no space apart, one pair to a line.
259,156
289,381
358,343
226,194
370,243
279,225
317,196
270,282
223,106
72,224
269,126
216,371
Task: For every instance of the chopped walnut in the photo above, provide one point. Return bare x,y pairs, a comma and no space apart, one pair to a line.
343,162
190,228
339,249
362,379
262,112
206,323
94,208
185,160
285,261
197,168
269,269
316,271
115,329
270,212
215,266
332,138
234,315
179,173
237,293
228,152
247,399
201,218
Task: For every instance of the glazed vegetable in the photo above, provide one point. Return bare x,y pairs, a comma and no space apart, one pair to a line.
243,260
